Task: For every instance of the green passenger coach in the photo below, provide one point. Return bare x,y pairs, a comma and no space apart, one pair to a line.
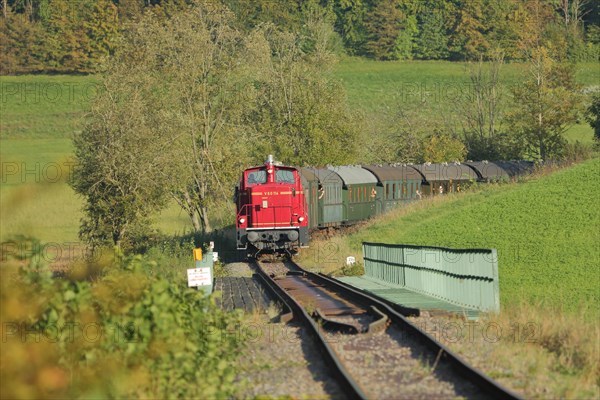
328,197
397,184
359,193
439,179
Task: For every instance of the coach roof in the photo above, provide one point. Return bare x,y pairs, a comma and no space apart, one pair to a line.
445,172
353,175
393,173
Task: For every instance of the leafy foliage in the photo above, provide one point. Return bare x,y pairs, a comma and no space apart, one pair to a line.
432,40
547,104
593,114
444,148
123,160
111,329
301,112
59,35
382,26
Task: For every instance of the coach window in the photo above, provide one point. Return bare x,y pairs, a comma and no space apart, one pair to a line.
256,177
284,176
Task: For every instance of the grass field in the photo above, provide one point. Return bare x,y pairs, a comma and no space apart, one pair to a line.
546,233
545,230
431,89
40,114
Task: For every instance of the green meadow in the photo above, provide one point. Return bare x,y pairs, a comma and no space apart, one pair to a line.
428,91
40,113
545,231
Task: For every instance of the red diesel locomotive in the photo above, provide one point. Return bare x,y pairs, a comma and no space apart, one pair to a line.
271,209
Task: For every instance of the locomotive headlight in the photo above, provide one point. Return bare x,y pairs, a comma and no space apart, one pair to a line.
242,220
301,219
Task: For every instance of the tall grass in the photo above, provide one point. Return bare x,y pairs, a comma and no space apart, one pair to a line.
540,351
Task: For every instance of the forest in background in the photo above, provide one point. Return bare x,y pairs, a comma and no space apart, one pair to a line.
79,36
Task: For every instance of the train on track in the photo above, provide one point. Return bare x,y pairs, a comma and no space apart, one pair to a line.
277,205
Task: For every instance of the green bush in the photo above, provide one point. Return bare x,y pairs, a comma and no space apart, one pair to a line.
112,329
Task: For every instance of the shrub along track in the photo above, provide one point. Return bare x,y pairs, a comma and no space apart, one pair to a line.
373,350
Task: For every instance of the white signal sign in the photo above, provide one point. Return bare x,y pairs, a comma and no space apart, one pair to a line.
199,277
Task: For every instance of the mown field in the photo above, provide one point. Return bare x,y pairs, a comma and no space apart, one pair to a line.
40,114
545,230
428,91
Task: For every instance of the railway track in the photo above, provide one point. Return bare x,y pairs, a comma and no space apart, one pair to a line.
372,349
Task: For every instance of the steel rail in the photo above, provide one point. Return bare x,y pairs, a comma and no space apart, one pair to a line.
472,374
351,388
394,312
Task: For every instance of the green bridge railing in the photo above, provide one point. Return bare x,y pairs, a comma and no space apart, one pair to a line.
465,277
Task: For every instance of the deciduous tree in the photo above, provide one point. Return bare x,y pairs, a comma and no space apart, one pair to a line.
547,104
302,114
441,147
592,115
382,25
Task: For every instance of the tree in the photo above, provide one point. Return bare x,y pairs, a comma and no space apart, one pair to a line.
442,147
392,137
501,28
481,110
350,16
547,103
22,44
122,159
302,114
167,123
533,19
467,40
208,67
383,24
431,42
592,115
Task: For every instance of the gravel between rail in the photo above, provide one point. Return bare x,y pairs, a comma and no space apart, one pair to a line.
391,364
280,359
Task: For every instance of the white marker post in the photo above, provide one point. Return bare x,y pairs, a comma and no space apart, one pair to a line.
201,277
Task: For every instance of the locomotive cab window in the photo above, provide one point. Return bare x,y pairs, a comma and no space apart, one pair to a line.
256,177
284,176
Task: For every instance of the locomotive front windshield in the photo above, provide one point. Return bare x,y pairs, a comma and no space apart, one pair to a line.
257,177
284,176
260,176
